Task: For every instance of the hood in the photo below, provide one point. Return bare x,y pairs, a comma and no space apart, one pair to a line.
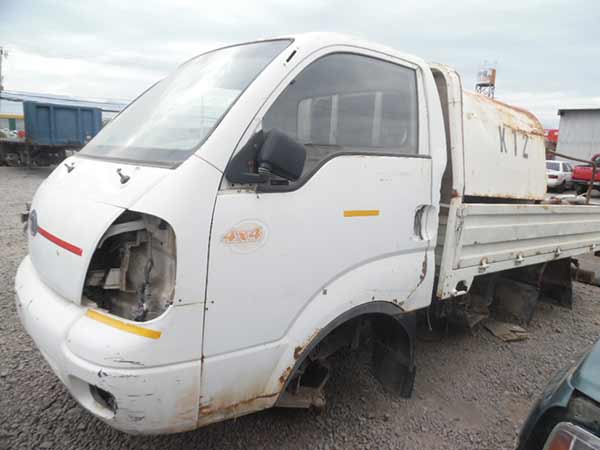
71,211
586,378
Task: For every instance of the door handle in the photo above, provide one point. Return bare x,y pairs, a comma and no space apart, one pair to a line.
423,223
418,224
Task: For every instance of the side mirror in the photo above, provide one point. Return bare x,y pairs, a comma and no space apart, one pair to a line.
281,155
265,155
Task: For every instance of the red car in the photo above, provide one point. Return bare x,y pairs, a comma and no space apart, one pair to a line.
583,174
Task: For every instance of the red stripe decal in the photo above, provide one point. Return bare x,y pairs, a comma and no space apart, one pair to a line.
58,241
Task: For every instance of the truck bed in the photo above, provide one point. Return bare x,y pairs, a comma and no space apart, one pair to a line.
476,239
60,125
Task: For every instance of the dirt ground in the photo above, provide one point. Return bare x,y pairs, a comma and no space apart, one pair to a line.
472,391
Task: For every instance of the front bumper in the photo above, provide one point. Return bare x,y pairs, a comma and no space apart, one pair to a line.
585,183
149,398
554,182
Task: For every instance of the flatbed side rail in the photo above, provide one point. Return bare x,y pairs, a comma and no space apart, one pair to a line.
487,238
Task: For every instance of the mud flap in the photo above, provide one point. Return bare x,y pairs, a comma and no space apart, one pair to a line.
393,354
515,300
469,310
512,295
519,290
556,283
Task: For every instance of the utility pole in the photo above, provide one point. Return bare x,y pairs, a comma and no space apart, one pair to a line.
3,54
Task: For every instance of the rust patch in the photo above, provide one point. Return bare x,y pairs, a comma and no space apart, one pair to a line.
284,376
208,410
527,196
423,269
536,126
421,276
185,410
298,350
236,402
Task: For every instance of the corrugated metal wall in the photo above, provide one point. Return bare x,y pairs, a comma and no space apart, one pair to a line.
579,133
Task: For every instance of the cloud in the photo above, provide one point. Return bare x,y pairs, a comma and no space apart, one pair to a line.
90,78
543,48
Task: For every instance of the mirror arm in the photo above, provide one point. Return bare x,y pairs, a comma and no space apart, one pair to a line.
256,177
264,169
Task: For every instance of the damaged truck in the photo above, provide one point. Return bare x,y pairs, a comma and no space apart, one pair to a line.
270,204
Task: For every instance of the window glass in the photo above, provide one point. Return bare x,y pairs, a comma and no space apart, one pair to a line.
349,103
553,165
168,122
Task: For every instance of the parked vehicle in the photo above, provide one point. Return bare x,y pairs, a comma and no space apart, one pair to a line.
10,122
559,175
571,437
269,204
573,395
583,174
8,134
50,130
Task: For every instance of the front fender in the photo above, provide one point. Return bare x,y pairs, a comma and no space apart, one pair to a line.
556,396
268,367
405,321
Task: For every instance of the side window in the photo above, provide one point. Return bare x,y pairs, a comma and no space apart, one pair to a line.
348,103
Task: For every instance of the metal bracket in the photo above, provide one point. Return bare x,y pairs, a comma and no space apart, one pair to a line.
483,265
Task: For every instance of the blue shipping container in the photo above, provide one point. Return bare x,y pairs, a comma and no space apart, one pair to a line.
60,125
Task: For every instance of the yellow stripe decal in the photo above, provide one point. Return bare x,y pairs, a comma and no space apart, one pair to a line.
127,327
361,212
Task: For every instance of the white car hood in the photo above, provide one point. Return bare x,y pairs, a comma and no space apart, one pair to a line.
71,211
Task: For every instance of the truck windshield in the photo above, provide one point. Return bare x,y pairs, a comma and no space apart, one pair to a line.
172,119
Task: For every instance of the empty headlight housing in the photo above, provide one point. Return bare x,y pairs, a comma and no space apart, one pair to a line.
132,272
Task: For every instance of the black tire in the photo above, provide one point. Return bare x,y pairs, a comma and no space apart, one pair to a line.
561,187
580,189
2,155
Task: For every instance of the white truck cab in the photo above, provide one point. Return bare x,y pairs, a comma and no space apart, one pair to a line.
266,205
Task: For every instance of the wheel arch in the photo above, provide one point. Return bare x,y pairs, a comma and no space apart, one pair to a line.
396,335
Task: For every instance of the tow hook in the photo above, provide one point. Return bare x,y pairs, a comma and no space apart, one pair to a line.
25,217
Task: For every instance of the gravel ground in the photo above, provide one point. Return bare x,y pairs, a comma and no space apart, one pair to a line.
471,392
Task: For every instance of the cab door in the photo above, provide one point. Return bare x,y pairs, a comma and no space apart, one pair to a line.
355,216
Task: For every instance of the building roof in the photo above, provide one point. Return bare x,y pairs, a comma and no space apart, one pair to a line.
108,105
11,116
584,109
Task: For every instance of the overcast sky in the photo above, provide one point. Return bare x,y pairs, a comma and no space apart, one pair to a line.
547,51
